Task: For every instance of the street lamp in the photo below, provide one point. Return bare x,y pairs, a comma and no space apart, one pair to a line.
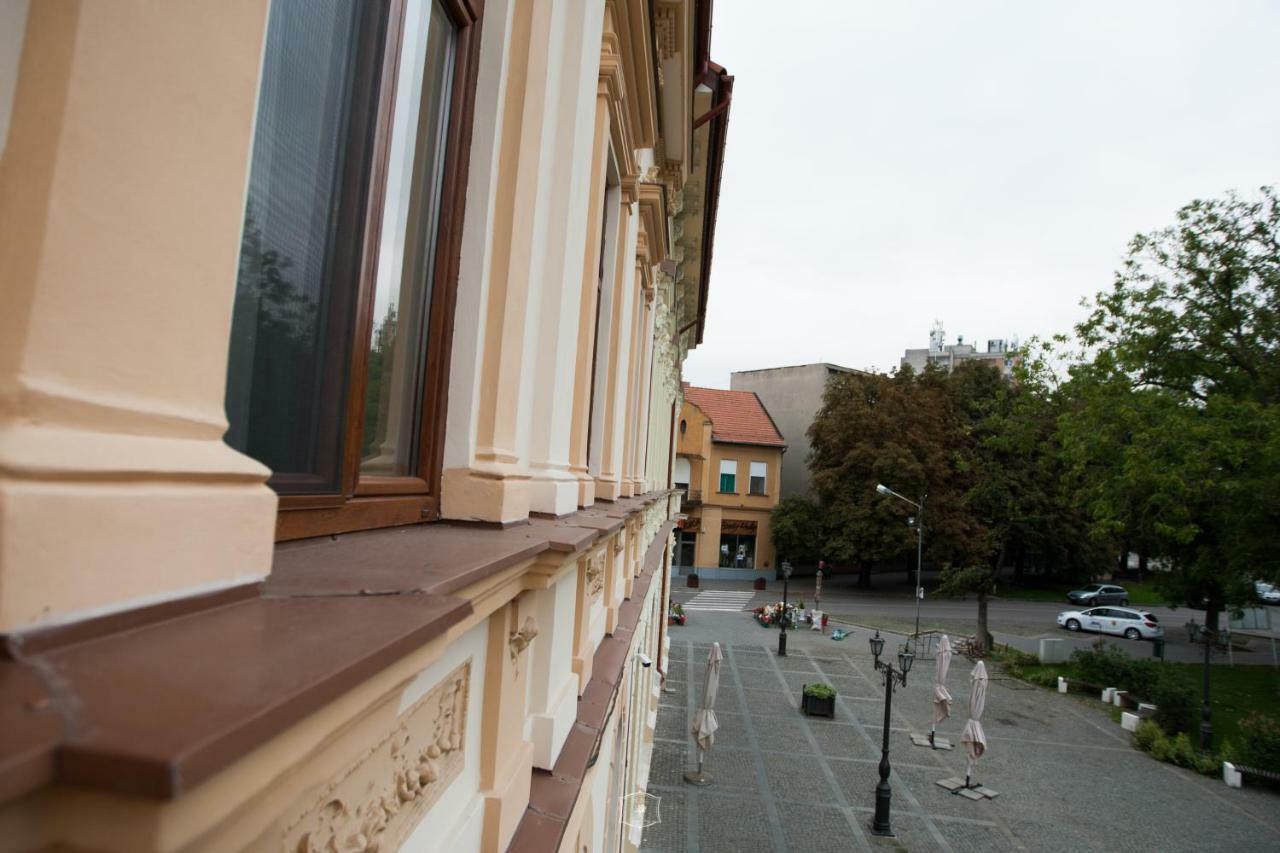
1203,634
880,824
918,524
782,635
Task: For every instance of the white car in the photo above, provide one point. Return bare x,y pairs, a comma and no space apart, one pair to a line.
1122,621
1268,593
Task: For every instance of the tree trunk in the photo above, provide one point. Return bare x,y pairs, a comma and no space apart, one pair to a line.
1142,563
864,575
1019,564
1122,565
984,636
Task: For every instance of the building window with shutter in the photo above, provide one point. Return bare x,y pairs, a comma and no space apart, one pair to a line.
758,477
728,476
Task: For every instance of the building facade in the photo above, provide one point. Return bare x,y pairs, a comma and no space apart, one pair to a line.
793,397
728,465
339,380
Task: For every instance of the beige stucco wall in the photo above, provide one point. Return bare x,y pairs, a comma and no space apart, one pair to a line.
122,187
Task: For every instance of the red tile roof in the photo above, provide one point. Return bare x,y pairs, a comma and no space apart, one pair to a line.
737,417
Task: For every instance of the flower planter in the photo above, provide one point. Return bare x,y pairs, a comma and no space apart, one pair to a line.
758,583
691,581
818,706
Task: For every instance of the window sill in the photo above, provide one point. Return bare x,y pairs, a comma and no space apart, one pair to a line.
366,599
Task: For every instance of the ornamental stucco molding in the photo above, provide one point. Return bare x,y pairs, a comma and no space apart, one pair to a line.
379,799
520,640
595,573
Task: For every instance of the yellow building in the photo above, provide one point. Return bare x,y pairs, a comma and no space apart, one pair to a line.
339,368
728,462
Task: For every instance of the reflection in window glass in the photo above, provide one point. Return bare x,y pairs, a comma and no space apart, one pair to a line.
299,261
406,260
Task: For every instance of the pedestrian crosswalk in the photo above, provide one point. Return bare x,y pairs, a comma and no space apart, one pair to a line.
720,599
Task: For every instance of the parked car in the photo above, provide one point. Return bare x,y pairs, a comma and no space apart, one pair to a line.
1121,621
1267,592
1098,593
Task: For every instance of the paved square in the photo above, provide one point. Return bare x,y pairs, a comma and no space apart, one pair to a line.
1066,775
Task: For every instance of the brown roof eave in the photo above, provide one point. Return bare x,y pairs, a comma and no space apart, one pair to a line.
771,445
721,83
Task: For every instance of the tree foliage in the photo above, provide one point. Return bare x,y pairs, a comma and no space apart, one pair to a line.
796,527
1175,422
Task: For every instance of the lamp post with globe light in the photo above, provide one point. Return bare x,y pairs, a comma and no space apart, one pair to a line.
880,823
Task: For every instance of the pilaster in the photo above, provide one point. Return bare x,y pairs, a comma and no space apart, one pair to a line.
119,267
506,758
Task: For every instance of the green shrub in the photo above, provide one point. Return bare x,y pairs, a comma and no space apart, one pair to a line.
1147,733
1174,698
820,691
1041,677
1259,743
1177,707
1173,750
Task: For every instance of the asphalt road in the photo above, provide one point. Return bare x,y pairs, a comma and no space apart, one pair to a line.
1019,623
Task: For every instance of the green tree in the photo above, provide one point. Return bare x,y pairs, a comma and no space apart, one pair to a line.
1176,422
796,527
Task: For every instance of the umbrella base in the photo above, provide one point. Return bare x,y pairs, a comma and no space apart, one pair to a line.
698,777
938,742
972,791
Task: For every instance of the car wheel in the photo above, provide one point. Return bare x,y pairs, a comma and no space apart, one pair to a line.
1073,624
1132,634
1124,602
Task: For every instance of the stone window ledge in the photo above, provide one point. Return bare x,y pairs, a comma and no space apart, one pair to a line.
153,702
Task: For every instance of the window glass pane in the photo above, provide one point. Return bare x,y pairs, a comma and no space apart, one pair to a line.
757,478
299,258
737,552
726,483
406,259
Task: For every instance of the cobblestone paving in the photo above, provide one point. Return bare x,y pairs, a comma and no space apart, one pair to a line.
1067,777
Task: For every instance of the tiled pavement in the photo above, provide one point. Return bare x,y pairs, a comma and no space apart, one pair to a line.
1068,780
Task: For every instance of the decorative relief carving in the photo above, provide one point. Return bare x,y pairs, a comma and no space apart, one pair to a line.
520,640
377,801
595,573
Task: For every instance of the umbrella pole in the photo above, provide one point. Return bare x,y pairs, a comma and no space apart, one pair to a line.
932,729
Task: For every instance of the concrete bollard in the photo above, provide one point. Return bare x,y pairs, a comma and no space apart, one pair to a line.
1146,709
1117,698
1062,684
1233,777
1106,694
1129,722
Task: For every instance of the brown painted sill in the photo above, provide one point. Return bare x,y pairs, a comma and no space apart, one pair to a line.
155,701
553,794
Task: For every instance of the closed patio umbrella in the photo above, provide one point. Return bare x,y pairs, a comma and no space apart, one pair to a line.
704,719
973,737
941,696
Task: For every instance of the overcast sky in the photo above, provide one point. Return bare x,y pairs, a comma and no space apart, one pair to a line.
980,163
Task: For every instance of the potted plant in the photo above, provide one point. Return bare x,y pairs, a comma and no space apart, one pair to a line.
818,700
691,580
677,616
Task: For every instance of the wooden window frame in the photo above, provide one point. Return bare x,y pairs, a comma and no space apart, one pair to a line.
367,502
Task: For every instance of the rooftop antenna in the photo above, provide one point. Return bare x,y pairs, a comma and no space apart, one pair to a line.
936,336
